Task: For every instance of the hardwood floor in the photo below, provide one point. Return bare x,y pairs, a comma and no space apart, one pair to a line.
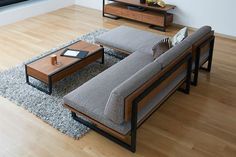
202,124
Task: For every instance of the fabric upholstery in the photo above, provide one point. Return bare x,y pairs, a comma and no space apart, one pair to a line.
160,48
128,39
102,98
124,128
167,57
200,33
179,37
114,109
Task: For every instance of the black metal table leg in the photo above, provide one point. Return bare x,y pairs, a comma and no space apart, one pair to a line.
49,91
26,75
103,56
27,79
49,85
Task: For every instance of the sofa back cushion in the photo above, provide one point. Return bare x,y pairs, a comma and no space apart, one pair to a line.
115,106
173,53
199,34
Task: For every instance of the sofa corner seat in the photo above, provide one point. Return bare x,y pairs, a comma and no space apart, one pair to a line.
128,39
110,98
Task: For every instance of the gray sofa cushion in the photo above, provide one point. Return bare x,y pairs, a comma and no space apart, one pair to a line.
92,96
167,57
160,48
179,37
128,39
200,33
124,128
114,109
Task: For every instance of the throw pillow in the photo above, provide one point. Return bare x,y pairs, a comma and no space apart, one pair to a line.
178,37
160,48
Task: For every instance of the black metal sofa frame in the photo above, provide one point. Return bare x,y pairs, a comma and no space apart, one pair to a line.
191,55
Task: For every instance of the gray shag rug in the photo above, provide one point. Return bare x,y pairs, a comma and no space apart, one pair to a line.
49,107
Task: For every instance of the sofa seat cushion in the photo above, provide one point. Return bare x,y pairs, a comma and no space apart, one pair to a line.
92,96
128,39
124,128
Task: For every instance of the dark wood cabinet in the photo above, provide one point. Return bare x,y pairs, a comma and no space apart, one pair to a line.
157,17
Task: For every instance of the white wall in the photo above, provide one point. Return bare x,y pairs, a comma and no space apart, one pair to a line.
196,13
95,4
20,11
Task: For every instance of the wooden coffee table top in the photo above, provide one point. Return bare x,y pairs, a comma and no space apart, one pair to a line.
43,65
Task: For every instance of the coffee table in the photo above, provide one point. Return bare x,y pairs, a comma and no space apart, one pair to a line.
42,69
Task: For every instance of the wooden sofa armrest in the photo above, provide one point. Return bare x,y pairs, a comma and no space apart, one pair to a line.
183,65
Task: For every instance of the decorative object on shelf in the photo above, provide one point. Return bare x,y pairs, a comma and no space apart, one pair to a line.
156,3
143,1
152,3
161,3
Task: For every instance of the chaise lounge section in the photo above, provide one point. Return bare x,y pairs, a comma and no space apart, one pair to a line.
118,100
128,40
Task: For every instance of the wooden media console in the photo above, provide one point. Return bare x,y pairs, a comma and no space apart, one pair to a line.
159,18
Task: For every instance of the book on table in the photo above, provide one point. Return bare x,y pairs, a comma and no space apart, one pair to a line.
75,53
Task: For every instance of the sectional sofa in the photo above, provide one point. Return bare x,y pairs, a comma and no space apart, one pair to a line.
118,100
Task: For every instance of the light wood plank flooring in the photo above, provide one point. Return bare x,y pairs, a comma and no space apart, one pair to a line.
202,124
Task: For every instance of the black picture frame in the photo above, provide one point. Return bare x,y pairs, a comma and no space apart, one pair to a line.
81,55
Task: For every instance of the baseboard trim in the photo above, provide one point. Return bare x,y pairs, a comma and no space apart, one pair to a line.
216,34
